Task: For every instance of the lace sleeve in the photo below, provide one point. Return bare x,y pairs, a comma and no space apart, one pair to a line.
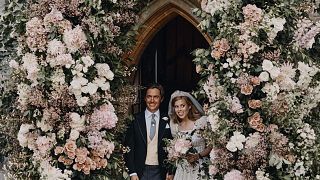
173,128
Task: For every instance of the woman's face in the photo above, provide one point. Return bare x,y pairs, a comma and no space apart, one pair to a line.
181,108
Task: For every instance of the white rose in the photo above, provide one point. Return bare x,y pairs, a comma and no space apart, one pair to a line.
82,101
110,75
74,134
91,88
274,72
267,65
231,146
264,76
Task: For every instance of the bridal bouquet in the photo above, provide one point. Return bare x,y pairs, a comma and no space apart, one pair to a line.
179,147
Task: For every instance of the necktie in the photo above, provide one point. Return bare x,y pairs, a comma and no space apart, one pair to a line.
153,126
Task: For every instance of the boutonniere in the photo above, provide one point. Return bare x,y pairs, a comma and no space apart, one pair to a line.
165,118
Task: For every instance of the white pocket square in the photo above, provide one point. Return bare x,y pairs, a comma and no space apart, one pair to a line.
167,126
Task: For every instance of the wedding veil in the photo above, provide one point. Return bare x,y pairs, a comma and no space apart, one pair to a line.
193,100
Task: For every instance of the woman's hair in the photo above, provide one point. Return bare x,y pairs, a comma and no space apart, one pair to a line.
193,114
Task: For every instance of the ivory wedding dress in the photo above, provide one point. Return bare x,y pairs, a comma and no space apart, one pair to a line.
186,171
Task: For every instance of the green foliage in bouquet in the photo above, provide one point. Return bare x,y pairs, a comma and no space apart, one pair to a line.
261,78
65,97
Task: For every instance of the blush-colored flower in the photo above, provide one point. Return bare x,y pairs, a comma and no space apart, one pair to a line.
246,89
254,104
255,81
58,150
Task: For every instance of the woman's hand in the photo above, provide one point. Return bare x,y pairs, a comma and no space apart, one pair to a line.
192,158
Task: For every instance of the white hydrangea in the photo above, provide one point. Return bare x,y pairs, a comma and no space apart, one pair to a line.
56,47
272,90
236,142
45,127
74,39
30,64
22,137
58,77
49,172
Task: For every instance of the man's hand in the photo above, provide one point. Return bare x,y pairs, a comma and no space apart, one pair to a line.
134,177
169,177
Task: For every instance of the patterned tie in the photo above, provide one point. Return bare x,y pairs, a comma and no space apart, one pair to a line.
153,126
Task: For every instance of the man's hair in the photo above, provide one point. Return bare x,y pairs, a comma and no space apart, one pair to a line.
155,86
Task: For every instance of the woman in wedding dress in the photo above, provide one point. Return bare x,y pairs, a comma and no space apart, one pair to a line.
187,118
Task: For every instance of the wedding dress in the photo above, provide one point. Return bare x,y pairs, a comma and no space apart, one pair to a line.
186,171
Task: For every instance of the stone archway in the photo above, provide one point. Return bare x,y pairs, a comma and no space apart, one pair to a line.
154,20
158,13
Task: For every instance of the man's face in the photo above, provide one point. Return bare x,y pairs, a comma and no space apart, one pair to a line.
153,99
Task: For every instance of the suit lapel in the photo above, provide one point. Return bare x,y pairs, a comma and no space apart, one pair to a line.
162,126
142,127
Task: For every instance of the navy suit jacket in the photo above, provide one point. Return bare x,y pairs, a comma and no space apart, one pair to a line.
136,140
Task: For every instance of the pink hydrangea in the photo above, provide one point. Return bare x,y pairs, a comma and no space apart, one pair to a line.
104,117
233,175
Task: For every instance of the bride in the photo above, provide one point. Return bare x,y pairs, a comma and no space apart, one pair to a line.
187,118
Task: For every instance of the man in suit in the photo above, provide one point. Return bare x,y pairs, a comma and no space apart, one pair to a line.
145,160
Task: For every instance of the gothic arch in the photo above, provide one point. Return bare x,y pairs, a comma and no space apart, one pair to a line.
158,13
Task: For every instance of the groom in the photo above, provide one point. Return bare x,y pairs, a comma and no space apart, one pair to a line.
145,160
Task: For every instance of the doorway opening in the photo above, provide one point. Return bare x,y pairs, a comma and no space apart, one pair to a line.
167,60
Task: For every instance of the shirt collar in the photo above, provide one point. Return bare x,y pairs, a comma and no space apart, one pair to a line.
148,113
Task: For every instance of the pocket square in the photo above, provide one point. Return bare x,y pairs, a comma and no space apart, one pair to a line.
167,126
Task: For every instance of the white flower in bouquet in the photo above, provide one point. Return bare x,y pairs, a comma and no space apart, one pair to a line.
299,169
213,119
253,140
267,65
58,77
236,142
233,175
235,105
48,172
14,64
44,144
104,71
90,88
182,145
261,175
77,83
45,127
56,47
272,90
274,72
23,92
30,64
74,39
264,76
82,100
22,134
74,134
77,121
52,18
102,83
62,60
274,25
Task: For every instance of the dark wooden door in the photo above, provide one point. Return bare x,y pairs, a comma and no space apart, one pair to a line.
168,60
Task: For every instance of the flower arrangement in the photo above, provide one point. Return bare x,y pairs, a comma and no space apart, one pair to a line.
66,70
261,78
178,148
